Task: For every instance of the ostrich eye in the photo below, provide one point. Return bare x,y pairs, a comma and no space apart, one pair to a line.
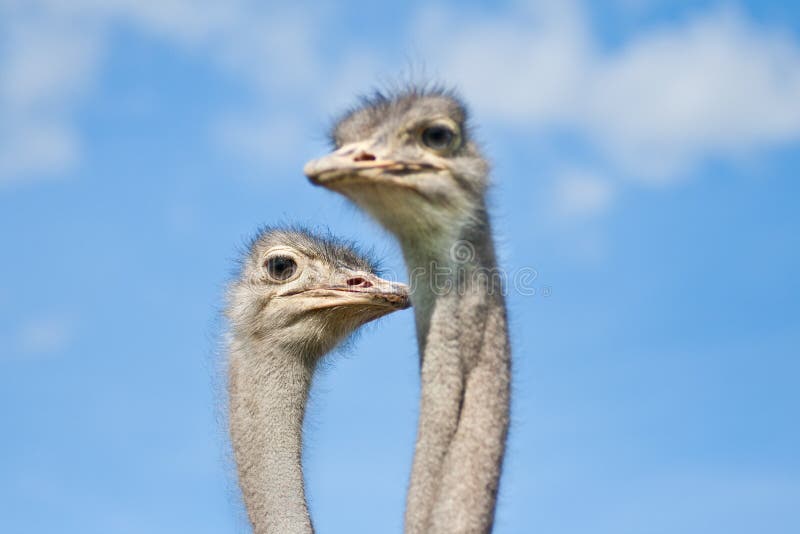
281,267
438,137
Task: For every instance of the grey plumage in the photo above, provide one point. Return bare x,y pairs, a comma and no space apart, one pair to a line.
408,159
296,297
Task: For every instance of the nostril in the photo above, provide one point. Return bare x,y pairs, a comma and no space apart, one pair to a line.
364,156
358,282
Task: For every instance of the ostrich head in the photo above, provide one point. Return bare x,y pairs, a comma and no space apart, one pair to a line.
306,292
408,160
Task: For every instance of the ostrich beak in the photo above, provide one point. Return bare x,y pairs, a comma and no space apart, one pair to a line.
361,290
362,163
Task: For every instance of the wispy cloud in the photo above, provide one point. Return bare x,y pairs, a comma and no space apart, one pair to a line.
651,110
52,53
579,193
715,85
46,334
46,63
264,138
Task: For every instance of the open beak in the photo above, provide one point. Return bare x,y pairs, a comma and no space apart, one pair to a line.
360,162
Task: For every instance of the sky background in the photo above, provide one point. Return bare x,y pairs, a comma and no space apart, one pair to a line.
645,158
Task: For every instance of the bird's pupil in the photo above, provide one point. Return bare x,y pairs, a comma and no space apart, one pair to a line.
437,137
281,267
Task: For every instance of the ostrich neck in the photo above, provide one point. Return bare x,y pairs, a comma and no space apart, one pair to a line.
456,269
268,390
465,374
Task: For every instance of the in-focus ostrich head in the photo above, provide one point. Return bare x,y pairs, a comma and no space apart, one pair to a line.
307,292
408,160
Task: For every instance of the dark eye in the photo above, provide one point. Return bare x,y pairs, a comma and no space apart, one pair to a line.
438,137
281,267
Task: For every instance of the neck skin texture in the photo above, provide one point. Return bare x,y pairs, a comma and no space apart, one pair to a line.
268,387
465,383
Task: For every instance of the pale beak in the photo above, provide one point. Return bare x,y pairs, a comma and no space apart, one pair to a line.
362,289
361,162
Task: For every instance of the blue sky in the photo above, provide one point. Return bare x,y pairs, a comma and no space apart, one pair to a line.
645,158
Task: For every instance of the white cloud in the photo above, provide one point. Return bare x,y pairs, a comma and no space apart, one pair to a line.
264,139
521,67
716,85
32,147
46,63
651,109
576,198
579,193
51,53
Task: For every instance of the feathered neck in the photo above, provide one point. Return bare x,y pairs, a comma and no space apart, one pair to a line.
268,388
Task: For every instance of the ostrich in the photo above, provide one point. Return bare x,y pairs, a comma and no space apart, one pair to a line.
297,297
407,159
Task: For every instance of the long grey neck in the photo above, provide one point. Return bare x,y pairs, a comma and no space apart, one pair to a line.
268,390
465,377
459,267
